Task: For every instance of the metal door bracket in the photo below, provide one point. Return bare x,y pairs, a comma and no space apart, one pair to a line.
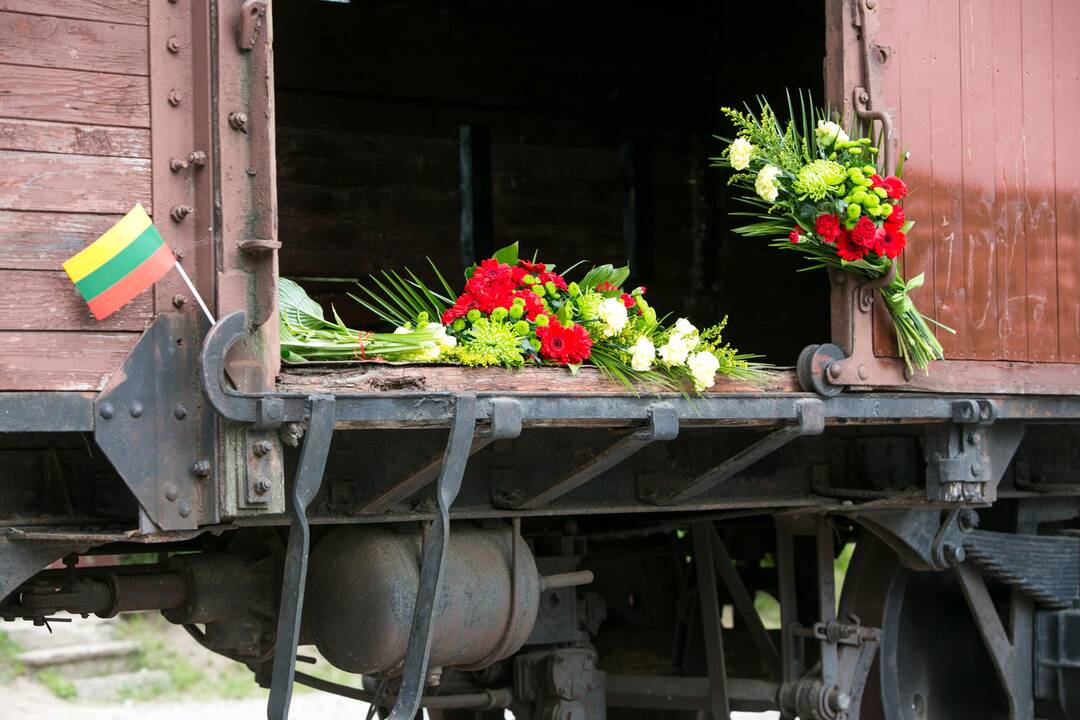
252,18
966,459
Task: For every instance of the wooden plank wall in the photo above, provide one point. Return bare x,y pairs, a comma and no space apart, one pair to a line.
986,95
75,156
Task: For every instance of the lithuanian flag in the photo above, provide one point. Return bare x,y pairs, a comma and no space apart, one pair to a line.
127,259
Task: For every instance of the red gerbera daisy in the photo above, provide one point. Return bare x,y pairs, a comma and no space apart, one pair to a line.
893,243
531,267
491,285
896,219
564,345
894,186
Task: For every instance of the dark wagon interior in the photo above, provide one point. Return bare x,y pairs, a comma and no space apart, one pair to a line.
420,129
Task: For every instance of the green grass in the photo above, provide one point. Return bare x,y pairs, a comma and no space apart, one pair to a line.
60,686
10,667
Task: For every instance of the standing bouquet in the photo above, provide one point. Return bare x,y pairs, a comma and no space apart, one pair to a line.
515,312
817,191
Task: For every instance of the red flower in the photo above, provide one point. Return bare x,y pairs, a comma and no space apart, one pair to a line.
564,345
492,285
628,301
894,186
533,304
461,307
606,287
893,243
553,278
847,249
828,227
531,267
793,236
867,234
896,219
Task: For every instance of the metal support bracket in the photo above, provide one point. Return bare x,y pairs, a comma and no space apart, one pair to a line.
810,420
966,459
309,476
663,425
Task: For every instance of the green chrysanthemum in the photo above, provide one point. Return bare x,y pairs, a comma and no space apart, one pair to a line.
820,178
589,306
493,344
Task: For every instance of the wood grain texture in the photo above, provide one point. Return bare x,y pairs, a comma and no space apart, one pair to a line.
61,360
34,93
132,12
43,41
45,181
1067,174
388,377
51,137
44,240
40,299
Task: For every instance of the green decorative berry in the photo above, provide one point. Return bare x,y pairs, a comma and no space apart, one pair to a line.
473,315
872,201
521,328
869,170
528,280
499,314
551,289
881,192
516,311
538,289
886,209
573,289
853,210
459,324
541,320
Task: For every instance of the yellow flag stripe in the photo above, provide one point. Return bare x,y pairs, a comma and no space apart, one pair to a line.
115,239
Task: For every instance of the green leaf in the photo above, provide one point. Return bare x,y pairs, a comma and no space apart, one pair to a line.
915,282
573,368
508,254
906,227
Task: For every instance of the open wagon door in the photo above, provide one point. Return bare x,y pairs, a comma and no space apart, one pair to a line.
983,96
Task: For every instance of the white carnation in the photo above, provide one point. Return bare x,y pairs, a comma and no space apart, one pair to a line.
684,327
828,133
613,314
442,339
641,354
703,367
740,153
675,350
766,185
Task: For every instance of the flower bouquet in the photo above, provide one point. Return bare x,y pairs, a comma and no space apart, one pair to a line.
817,191
515,312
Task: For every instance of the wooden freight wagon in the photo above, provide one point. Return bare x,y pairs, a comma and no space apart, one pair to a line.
592,528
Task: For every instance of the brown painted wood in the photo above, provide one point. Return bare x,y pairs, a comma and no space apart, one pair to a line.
40,299
387,377
1037,63
44,181
132,12
1010,233
37,136
60,360
1067,176
43,41
74,96
44,240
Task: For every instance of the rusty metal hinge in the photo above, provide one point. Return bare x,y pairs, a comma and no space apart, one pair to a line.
865,96
252,18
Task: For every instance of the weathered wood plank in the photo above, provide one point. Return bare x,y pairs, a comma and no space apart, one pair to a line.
60,360
44,181
74,96
387,377
44,240
54,42
977,131
1042,292
50,137
1067,181
120,11
43,300
1009,227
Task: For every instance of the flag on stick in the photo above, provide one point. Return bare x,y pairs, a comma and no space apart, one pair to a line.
129,258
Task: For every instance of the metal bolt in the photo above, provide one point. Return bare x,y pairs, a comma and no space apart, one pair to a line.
180,411
201,468
179,254
179,212
968,520
176,164
864,372
238,121
173,45
178,301
107,410
263,485
171,493
136,409
262,448
839,701
954,554
183,509
835,369
175,96
976,469
197,158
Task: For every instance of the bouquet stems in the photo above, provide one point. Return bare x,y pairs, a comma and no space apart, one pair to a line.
915,340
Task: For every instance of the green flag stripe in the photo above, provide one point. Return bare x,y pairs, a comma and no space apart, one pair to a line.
120,264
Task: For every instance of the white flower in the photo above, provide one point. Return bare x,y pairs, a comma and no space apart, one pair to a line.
740,153
402,331
703,367
687,332
642,353
675,350
613,314
828,133
441,338
766,184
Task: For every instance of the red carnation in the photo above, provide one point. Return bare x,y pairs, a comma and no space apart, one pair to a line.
866,234
628,301
553,278
564,345
847,249
893,243
828,227
793,236
533,304
896,219
531,267
491,285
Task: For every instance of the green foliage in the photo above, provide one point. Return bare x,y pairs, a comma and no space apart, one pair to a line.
602,274
10,667
60,686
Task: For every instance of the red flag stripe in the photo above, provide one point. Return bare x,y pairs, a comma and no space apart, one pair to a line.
132,284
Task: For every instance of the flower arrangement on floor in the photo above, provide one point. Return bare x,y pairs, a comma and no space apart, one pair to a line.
515,312
817,191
